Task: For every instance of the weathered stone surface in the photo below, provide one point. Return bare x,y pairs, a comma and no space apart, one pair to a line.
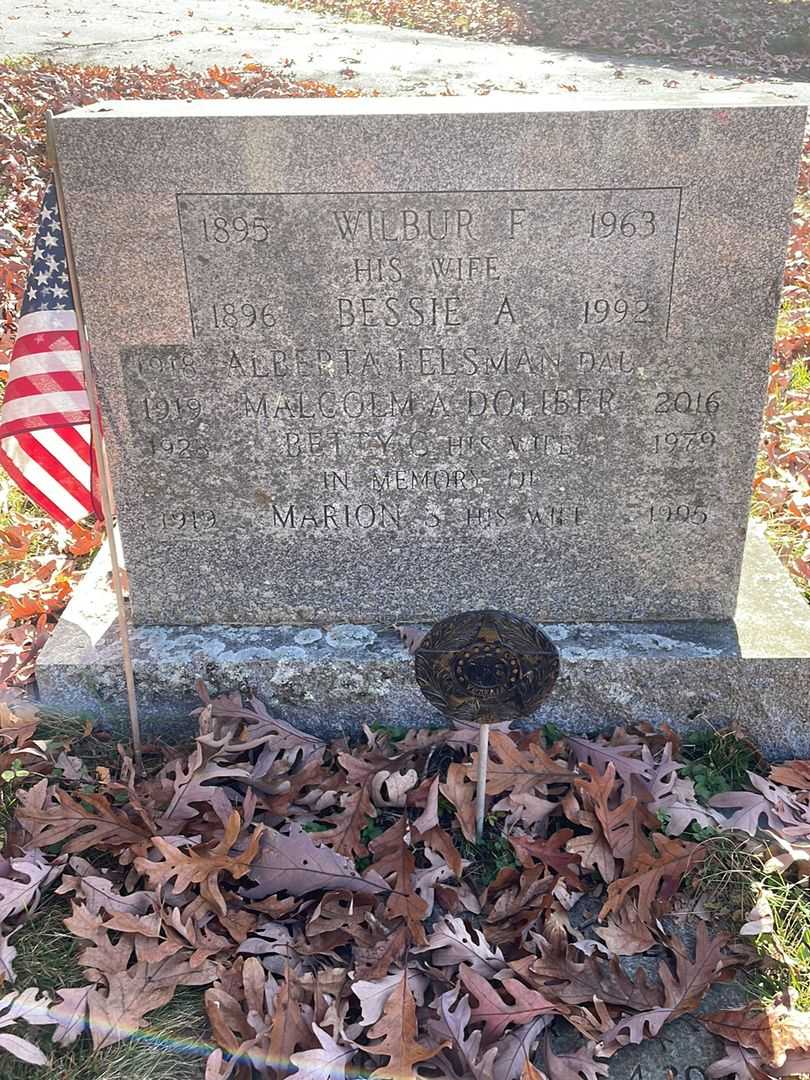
684,1049
753,671
369,361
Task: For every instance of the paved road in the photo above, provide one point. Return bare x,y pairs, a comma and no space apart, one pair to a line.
198,33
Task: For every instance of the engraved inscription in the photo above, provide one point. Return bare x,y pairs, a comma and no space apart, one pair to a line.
429,367
668,1072
433,262
632,223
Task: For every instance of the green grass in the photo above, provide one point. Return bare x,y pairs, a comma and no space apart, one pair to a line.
790,942
10,781
489,855
13,506
731,880
800,376
63,732
173,1046
718,761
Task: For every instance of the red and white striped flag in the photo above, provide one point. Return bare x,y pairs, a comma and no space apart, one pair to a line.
45,443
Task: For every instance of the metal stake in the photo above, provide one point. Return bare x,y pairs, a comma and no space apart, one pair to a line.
481,786
107,498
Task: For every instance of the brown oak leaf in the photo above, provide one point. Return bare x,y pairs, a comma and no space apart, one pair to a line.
771,1032
452,942
531,1072
576,1065
739,1064
460,791
397,1031
289,1028
623,824
374,993
203,865
517,906
342,912
453,1021
625,934
373,961
497,1013
343,835
198,779
438,840
119,1004
22,881
793,774
519,770
394,858
622,755
591,847
229,1021
779,806
561,977
516,1047
328,1062
682,991
50,816
551,853
429,818
657,875
296,864
29,1007
69,1014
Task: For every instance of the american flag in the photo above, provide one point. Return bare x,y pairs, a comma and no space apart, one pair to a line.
45,443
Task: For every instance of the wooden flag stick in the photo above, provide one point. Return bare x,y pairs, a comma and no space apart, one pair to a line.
481,785
107,499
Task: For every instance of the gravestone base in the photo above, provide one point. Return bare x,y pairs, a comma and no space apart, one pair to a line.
753,671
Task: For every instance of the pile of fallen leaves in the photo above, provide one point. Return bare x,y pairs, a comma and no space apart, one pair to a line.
754,37
487,20
332,899
763,37
40,563
782,484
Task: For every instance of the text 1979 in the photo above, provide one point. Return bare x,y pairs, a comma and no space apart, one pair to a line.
676,442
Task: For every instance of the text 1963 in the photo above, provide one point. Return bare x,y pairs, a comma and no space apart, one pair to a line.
633,223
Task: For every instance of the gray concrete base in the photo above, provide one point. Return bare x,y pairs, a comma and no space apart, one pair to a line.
753,671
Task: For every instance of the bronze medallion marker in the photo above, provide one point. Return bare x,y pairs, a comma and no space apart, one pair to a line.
484,667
